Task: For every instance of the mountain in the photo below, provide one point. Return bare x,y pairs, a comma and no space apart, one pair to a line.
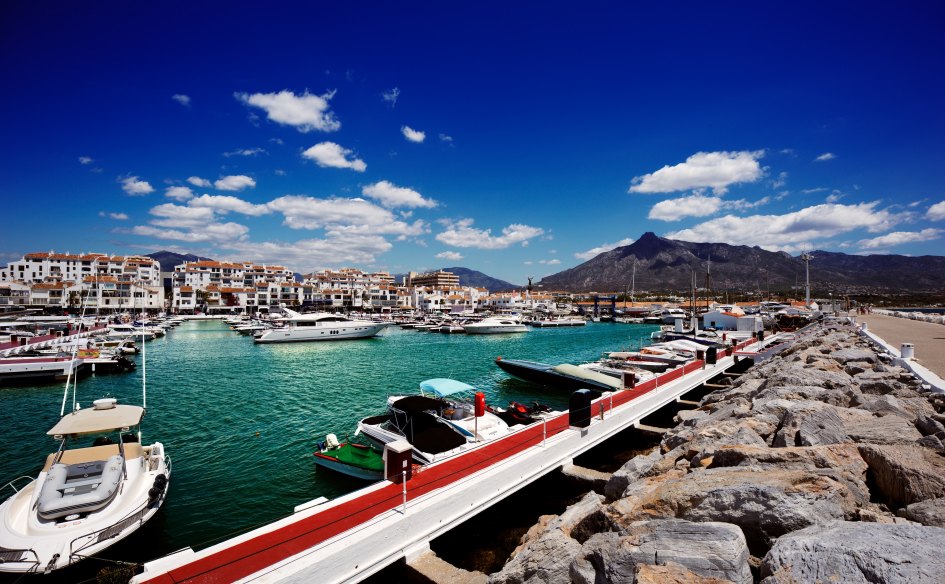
169,259
666,264
476,279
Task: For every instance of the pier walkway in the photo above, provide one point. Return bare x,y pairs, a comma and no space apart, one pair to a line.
928,338
354,536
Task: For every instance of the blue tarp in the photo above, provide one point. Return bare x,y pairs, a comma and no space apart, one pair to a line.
444,387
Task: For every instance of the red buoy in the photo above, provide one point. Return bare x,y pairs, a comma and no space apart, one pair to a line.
480,404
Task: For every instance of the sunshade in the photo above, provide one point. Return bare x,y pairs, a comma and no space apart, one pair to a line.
444,387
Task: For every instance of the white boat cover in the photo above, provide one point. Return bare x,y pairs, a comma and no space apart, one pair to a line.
90,420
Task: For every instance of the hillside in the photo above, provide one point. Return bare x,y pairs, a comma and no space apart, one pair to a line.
169,259
476,279
666,264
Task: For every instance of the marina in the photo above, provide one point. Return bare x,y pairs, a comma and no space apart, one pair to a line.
232,411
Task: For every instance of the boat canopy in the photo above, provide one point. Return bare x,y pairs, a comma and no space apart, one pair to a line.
444,387
91,420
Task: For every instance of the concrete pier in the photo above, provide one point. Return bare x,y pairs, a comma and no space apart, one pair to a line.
928,338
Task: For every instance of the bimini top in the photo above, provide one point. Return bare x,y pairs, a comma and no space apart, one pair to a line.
444,387
92,420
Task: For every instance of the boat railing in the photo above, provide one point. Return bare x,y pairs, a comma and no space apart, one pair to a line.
83,542
12,484
8,555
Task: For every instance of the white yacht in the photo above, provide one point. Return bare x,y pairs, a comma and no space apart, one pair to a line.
496,325
99,486
669,315
320,326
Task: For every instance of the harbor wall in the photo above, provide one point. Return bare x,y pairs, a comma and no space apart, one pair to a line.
824,463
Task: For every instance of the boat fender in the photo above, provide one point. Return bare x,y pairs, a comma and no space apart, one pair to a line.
160,485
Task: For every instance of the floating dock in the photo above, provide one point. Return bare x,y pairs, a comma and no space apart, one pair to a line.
350,538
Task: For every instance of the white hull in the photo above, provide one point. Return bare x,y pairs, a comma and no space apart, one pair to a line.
36,545
328,332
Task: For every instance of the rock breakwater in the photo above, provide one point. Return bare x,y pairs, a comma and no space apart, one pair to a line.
823,464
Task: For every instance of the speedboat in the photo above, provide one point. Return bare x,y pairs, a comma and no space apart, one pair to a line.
564,376
438,423
95,489
669,315
356,459
319,326
496,325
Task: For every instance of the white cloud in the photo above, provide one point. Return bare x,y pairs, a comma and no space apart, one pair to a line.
135,187
331,155
413,135
691,206
171,215
717,170
182,99
825,156
936,212
391,96
305,112
179,193
742,204
226,203
814,190
199,182
245,152
305,254
780,181
834,197
596,251
462,234
342,216
900,237
213,232
552,262
85,160
450,255
391,195
235,182
446,138
783,232
116,216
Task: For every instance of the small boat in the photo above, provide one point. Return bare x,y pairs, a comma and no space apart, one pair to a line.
356,459
563,376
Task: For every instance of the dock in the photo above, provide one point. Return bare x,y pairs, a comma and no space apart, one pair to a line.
354,536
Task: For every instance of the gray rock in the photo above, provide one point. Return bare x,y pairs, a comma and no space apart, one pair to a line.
905,474
708,550
929,426
548,548
844,356
631,471
765,503
930,512
798,375
842,396
862,426
839,461
803,427
852,552
885,405
854,367
933,442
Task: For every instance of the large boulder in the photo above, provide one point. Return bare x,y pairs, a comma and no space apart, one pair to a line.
844,356
862,426
765,503
905,474
930,512
840,461
805,427
631,471
548,548
707,550
797,374
852,552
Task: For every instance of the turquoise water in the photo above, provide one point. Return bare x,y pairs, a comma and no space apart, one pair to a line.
240,420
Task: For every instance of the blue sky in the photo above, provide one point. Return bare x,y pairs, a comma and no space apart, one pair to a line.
513,138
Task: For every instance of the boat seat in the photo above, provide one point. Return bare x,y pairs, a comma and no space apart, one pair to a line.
76,455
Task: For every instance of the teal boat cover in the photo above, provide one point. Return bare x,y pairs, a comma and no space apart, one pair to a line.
444,387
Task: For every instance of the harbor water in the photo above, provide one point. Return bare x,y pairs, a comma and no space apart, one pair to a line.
240,421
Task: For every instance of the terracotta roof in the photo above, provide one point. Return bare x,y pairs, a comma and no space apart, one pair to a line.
186,288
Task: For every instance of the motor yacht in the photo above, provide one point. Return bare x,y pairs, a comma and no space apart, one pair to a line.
496,325
319,326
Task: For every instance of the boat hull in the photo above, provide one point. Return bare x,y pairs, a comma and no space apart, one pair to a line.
544,374
355,330
367,465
